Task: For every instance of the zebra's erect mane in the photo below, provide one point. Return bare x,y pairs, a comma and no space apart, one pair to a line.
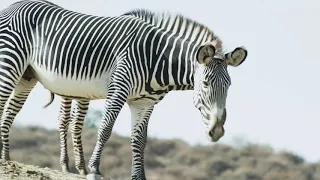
180,25
42,1
48,2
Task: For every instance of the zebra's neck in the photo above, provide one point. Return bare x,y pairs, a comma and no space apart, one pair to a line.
167,59
177,60
173,59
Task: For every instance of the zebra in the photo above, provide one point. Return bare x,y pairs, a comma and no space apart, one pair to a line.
16,101
77,119
123,59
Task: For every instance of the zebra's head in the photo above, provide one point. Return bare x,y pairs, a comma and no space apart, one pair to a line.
211,83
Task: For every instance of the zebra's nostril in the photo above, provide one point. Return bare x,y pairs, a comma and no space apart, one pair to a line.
210,134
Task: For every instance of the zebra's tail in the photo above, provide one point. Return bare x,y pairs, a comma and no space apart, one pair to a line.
50,101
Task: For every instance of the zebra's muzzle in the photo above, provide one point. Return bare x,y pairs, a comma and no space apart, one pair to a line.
216,130
216,133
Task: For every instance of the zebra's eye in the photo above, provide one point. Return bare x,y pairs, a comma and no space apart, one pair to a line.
205,84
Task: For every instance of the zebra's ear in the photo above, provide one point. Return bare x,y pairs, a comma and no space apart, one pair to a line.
205,53
237,56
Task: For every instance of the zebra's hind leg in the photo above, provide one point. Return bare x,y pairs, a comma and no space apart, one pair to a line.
64,119
14,104
140,114
78,115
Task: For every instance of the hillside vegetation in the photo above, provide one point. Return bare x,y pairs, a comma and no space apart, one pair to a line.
165,159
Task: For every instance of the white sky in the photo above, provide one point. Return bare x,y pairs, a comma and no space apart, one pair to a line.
274,97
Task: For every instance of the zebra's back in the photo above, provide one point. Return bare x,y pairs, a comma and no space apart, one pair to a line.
71,54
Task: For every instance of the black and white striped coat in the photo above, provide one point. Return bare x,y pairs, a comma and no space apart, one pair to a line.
136,58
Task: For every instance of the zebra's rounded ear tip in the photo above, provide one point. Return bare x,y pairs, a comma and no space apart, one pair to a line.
205,53
241,48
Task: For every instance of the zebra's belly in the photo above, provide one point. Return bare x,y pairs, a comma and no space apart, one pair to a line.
72,87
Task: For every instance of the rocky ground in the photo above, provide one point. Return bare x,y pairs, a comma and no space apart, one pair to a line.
164,159
12,170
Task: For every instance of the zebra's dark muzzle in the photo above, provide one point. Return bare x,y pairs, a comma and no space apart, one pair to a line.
216,133
216,130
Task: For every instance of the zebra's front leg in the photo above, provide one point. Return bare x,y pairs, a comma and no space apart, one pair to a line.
140,114
13,106
116,98
64,119
78,115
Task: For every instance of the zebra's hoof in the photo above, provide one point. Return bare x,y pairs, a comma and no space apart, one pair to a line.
65,169
82,172
94,177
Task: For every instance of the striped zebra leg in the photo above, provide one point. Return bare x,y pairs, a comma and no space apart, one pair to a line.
140,114
116,98
12,108
78,116
64,119
12,68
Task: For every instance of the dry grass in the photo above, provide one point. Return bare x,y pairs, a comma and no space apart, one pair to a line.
166,159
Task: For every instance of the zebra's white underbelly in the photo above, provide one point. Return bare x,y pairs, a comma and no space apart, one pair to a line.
69,86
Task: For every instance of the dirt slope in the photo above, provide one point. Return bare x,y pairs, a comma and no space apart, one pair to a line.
164,159
12,170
